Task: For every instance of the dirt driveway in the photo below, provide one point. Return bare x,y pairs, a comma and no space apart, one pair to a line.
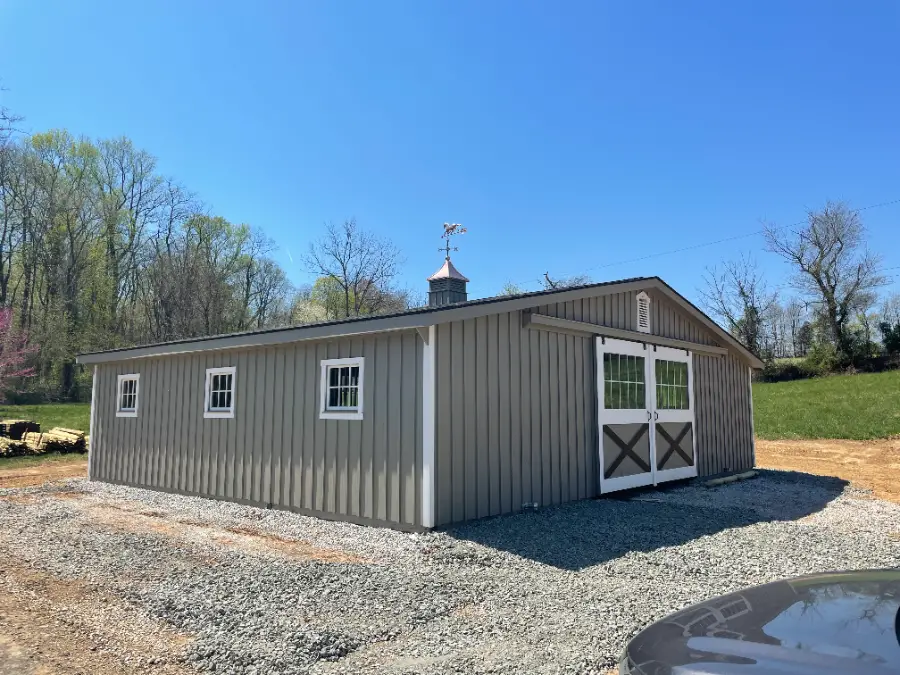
26,476
871,465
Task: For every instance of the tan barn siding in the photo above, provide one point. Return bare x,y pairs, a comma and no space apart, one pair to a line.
723,414
514,421
276,451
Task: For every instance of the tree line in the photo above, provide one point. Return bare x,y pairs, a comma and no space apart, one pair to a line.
833,313
99,250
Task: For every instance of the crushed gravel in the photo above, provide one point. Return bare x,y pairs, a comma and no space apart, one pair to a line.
559,590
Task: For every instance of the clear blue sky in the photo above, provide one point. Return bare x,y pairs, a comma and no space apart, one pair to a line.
566,136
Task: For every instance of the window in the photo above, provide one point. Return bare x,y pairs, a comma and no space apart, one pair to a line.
623,382
342,389
643,312
219,399
672,385
127,395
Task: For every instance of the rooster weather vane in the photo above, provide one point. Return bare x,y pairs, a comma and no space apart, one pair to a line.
450,230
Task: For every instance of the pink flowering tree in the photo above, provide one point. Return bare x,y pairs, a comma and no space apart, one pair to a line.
14,352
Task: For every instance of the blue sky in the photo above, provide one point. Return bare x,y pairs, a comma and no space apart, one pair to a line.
568,137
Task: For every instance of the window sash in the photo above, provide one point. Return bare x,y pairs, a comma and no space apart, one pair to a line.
220,391
128,395
342,389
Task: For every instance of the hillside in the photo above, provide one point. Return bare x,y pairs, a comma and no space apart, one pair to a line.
856,407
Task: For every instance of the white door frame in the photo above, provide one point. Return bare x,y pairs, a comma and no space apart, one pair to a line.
665,415
623,416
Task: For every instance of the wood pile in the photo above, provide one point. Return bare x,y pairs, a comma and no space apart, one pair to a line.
15,429
12,448
58,439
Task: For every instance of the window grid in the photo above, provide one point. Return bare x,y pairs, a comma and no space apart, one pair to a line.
220,392
343,388
672,385
624,387
128,395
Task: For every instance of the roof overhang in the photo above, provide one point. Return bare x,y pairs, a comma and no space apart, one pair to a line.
420,318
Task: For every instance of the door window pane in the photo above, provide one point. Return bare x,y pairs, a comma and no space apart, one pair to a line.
672,385
623,382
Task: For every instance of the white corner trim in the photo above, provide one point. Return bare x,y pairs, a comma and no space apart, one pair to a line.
219,414
752,424
137,395
350,413
428,419
92,425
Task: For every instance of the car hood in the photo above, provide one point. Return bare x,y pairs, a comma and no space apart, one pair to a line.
840,622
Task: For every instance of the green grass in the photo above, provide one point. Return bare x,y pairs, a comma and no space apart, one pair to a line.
49,415
857,407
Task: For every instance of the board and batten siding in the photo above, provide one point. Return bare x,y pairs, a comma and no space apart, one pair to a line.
515,418
723,415
275,451
516,408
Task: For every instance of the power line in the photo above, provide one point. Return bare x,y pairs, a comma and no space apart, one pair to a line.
694,247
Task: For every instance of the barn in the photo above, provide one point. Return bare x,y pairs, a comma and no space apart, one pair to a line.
457,410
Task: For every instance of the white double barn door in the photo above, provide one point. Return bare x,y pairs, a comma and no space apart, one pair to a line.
646,414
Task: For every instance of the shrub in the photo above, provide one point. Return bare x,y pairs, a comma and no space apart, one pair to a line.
822,359
891,337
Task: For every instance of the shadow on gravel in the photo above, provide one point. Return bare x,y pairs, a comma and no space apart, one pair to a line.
581,534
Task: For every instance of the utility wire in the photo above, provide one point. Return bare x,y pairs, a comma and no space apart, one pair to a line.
694,247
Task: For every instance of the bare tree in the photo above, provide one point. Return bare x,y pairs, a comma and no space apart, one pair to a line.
359,266
565,282
738,296
833,266
890,309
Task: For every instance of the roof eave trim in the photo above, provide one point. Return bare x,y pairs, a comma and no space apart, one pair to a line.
300,334
376,325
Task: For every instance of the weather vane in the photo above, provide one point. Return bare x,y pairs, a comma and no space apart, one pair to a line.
451,230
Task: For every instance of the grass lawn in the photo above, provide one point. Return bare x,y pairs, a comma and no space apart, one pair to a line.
858,407
49,415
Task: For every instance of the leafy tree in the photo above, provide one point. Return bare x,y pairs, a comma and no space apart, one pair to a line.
14,352
891,337
98,250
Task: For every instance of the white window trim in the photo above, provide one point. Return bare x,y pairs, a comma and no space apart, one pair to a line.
137,395
324,413
219,414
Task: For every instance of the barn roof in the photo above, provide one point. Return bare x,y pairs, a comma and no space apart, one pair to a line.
419,317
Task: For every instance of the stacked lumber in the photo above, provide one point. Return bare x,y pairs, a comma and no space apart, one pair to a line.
58,439
15,429
11,448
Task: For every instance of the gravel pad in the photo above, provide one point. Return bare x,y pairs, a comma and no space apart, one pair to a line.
559,590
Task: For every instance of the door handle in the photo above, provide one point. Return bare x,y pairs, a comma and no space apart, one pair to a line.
655,416
649,416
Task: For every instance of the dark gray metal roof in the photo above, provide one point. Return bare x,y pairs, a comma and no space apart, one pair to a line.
412,318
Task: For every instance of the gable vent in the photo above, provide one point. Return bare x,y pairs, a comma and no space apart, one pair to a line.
643,312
